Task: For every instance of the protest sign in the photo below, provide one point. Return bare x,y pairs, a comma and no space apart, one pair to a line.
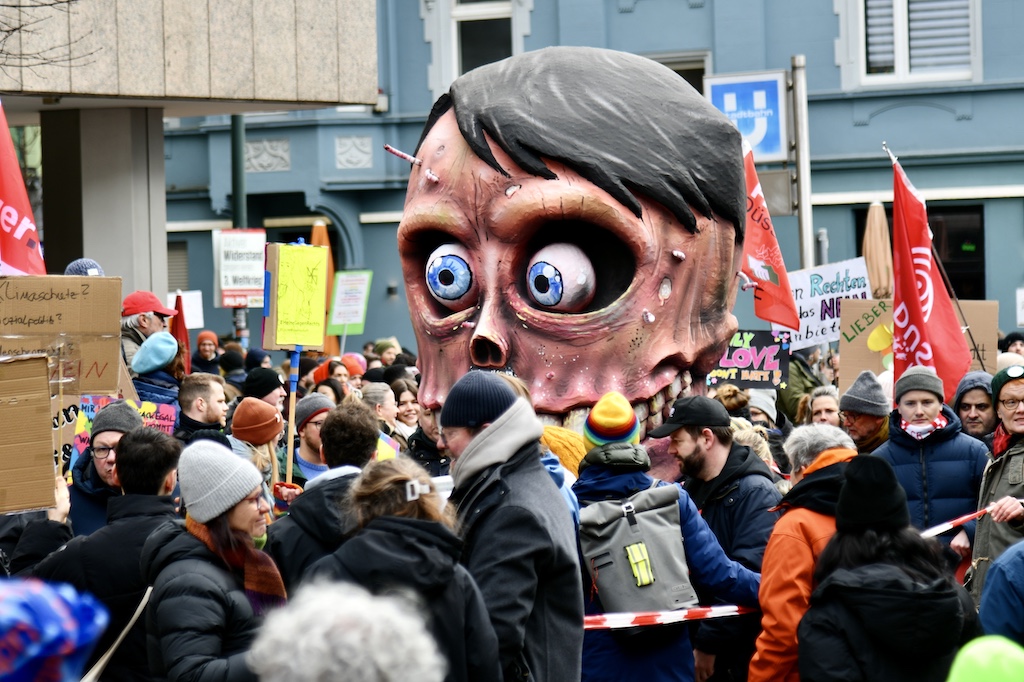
154,415
348,309
754,359
296,297
77,319
26,450
866,336
238,268
818,293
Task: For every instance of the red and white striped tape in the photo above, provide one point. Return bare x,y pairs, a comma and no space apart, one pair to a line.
950,525
615,621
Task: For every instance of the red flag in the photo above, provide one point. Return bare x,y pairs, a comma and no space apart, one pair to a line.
762,259
20,251
180,331
926,329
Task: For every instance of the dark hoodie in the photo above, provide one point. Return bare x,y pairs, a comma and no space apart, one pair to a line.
315,526
392,552
89,495
876,623
740,505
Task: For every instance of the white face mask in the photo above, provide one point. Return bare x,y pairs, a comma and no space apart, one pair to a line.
920,432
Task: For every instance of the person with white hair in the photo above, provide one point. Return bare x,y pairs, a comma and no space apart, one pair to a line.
339,631
819,453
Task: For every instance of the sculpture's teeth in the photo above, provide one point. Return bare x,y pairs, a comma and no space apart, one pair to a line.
576,419
642,411
548,419
656,402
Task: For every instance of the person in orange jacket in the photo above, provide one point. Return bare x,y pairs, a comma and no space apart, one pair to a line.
819,454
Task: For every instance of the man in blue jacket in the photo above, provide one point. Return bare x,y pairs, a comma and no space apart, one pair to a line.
939,467
613,470
735,493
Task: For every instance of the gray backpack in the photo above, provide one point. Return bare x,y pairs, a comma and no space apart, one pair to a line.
633,551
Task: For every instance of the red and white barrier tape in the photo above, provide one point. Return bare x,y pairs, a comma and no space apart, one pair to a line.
615,621
950,525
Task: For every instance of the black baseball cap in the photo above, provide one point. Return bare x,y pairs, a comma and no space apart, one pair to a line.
695,410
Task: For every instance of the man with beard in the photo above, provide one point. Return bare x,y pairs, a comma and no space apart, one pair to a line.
973,403
203,405
734,492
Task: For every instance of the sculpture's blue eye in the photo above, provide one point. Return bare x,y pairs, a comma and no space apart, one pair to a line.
561,277
449,277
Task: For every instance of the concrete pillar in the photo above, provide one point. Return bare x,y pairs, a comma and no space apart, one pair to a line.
104,194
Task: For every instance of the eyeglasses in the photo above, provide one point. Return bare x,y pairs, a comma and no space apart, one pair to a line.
102,452
1010,403
256,499
319,425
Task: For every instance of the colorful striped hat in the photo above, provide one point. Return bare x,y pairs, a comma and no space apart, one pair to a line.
612,420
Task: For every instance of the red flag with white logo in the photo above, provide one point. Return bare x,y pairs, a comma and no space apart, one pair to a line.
20,250
926,329
762,259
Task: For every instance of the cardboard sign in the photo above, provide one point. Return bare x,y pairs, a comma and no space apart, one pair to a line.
192,300
157,416
296,297
866,336
26,450
77,319
348,309
819,293
65,421
754,359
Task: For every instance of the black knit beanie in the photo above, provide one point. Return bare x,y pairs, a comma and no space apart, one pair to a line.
871,497
478,398
261,382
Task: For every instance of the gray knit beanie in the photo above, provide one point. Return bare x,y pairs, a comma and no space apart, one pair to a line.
213,479
919,378
119,416
764,400
310,406
866,396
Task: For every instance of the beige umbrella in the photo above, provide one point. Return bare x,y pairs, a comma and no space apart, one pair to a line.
321,238
877,249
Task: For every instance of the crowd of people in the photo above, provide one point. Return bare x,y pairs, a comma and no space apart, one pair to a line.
388,541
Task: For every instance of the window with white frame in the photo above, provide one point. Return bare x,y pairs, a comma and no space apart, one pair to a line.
465,34
900,42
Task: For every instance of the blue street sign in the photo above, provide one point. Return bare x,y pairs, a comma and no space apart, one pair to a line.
758,104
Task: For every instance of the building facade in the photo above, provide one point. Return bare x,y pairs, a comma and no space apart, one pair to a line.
941,81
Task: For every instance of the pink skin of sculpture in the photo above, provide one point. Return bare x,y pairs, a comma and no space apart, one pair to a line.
663,316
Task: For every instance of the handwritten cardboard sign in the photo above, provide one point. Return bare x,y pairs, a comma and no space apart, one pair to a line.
77,319
819,292
866,336
754,359
296,297
26,450
154,415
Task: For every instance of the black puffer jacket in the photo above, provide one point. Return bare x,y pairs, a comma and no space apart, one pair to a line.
106,564
425,452
392,552
874,623
315,526
199,623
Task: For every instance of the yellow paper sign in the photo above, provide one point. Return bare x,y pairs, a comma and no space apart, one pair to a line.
301,295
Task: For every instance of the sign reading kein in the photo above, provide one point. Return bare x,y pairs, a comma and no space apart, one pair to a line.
757,103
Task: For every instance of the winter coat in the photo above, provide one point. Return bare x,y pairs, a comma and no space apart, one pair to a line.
787,571
199,623
520,547
106,564
157,387
188,426
740,506
875,623
28,538
663,653
1002,600
1003,476
393,553
200,364
131,339
802,380
315,526
89,495
940,474
425,452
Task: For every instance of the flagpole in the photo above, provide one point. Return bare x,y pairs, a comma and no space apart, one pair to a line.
945,279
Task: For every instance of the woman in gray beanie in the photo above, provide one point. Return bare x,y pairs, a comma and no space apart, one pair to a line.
211,586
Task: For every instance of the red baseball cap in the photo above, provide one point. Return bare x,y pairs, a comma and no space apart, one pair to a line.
144,302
